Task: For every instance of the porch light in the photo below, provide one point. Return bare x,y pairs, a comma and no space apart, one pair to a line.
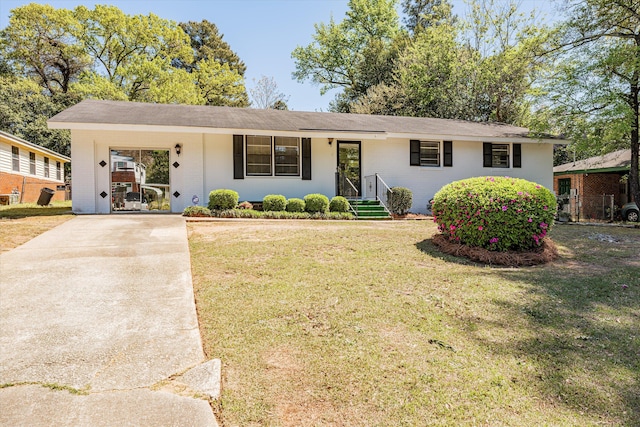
330,141
178,148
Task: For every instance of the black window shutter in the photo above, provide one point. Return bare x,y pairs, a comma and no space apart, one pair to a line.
517,155
448,153
306,159
415,152
487,154
238,154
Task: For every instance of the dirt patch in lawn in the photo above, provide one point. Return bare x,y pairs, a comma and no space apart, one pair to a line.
15,232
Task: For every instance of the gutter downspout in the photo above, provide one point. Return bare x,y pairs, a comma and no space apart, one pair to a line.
24,183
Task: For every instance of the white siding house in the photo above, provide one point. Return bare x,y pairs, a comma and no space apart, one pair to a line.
27,168
260,152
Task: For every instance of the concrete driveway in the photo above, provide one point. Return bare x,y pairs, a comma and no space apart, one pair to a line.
97,325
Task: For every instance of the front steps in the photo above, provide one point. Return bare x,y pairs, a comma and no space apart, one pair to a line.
369,209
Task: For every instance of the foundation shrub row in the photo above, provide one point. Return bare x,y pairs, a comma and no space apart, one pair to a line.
223,203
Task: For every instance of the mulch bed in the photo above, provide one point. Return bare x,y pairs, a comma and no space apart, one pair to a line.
411,216
545,253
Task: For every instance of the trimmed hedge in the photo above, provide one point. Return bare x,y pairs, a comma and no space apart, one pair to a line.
400,200
223,199
246,213
196,211
274,203
295,205
339,204
496,213
315,203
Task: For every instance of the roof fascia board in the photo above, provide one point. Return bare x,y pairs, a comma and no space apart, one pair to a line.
338,134
216,131
603,170
518,139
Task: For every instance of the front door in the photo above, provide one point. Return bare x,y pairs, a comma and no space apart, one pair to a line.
139,180
348,175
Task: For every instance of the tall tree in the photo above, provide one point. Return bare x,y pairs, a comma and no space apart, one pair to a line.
207,43
42,42
218,84
266,95
52,58
420,14
354,54
25,109
134,53
593,93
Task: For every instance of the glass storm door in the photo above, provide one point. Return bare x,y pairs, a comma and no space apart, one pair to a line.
348,175
140,180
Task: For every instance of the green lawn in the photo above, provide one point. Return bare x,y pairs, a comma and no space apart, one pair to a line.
366,324
21,223
24,210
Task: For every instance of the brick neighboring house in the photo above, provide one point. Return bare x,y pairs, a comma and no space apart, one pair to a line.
27,168
592,178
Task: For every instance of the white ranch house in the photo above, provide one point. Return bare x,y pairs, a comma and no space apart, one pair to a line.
190,150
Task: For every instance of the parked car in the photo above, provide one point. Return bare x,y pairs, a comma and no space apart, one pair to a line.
630,212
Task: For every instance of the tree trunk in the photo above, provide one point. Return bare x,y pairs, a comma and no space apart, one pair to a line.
634,178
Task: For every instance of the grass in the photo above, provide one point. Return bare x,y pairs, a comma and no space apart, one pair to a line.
21,223
366,324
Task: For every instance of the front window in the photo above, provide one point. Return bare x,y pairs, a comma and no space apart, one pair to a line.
258,155
32,163
46,167
429,153
287,156
15,157
58,171
499,155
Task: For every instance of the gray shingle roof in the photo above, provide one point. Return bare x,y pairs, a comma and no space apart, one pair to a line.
132,113
616,160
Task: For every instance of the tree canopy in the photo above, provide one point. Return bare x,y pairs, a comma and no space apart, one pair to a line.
591,91
479,68
52,58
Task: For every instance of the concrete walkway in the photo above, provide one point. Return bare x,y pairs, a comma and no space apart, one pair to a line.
97,325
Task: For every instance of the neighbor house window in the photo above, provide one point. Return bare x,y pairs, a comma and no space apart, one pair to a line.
564,186
287,155
58,171
32,163
15,157
46,167
258,155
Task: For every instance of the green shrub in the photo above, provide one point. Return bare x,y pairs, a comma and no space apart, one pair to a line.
274,203
316,203
223,199
339,204
199,211
400,200
496,213
295,205
248,213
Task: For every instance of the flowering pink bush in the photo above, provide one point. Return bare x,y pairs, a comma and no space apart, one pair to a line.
496,213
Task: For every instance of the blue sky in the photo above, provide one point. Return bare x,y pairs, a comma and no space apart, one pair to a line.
262,32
